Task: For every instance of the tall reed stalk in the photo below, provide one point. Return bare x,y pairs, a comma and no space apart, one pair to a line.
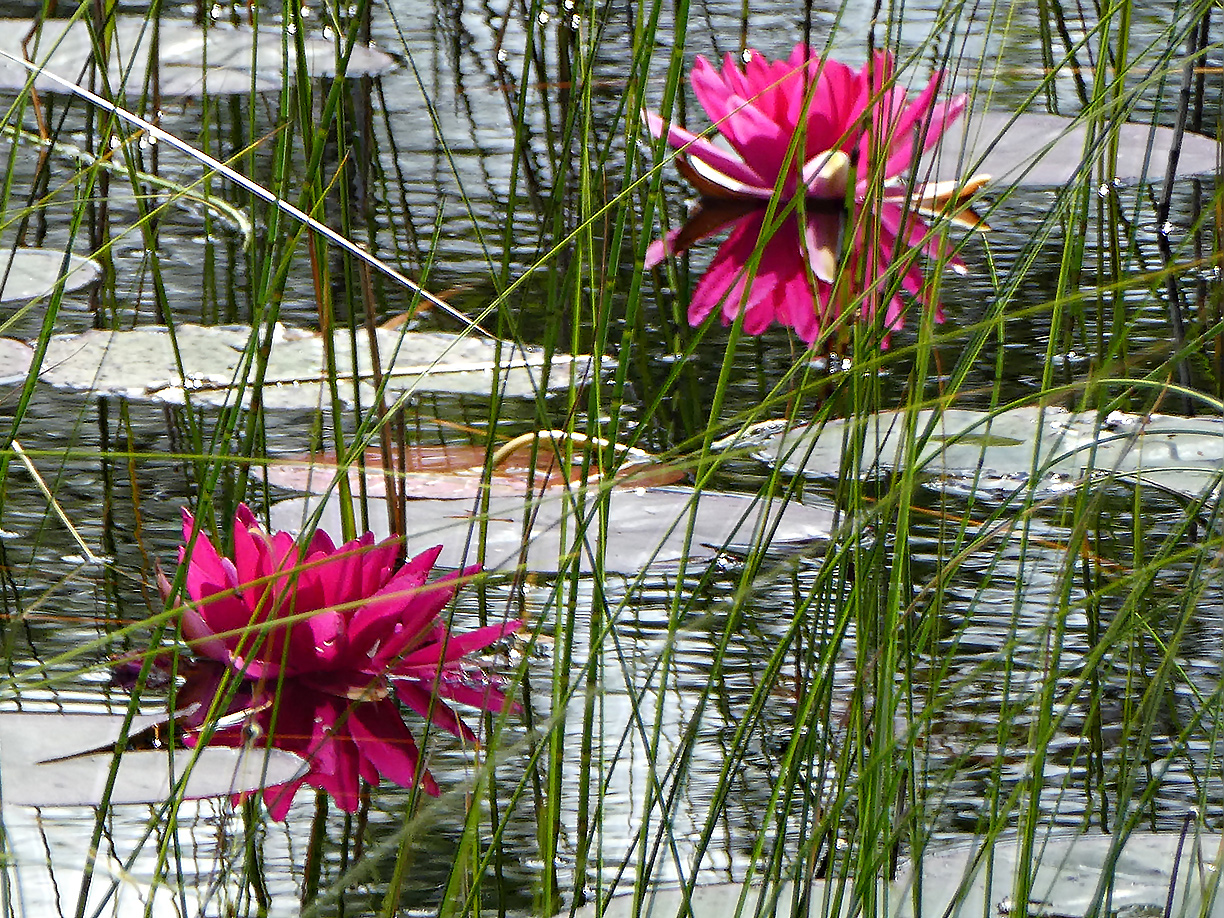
962,659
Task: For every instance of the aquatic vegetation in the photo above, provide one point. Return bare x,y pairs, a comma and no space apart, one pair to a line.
819,153
973,592
324,640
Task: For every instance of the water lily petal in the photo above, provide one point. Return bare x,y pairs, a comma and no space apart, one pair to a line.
822,233
434,710
383,741
716,159
759,141
826,175
456,646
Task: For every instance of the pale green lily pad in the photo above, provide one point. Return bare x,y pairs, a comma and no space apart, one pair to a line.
1072,875
140,363
33,272
60,759
15,359
1048,150
192,60
1047,449
646,528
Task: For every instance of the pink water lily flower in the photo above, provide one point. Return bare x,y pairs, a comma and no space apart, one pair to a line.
343,741
324,640
319,611
800,131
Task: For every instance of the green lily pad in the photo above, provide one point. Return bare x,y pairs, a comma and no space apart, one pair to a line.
455,471
1071,877
15,359
140,363
192,60
646,528
29,273
1039,150
60,759
1046,449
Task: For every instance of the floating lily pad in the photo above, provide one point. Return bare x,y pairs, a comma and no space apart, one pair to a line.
1048,150
453,471
33,272
1072,875
65,759
646,528
140,363
15,360
1048,449
192,60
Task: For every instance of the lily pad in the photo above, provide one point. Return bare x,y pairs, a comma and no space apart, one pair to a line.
1048,150
1047,449
1072,875
29,273
453,471
646,528
192,60
15,359
65,759
140,363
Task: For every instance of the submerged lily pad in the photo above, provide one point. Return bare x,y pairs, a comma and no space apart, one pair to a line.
646,528
453,471
140,363
192,60
1048,150
65,760
29,273
1071,877
1048,449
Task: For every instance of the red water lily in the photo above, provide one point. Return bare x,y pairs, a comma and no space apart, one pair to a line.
800,132
323,640
343,741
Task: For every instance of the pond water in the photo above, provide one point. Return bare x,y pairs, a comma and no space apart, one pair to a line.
698,688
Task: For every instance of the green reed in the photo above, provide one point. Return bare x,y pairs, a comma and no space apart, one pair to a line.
839,748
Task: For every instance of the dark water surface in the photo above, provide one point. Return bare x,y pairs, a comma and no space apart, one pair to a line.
987,640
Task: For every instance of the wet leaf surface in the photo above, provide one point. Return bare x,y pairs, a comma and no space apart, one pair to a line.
238,59
1047,449
29,273
65,759
15,359
143,363
1041,150
1067,881
453,470
646,528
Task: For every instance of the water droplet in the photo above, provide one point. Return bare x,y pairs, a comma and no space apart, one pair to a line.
502,56
543,18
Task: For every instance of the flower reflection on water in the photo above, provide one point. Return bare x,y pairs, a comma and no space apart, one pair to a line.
816,164
317,648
